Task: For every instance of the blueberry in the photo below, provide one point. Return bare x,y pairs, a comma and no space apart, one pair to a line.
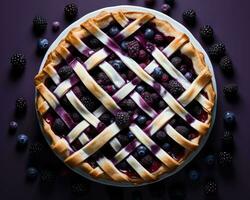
176,61
42,45
210,160
22,140
55,26
189,76
161,135
114,30
124,45
166,146
142,151
194,175
118,65
141,119
157,73
31,173
229,118
149,33
13,126
130,135
140,89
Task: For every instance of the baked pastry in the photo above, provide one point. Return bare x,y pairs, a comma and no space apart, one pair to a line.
125,97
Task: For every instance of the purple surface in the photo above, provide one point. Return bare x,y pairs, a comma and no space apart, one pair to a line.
231,25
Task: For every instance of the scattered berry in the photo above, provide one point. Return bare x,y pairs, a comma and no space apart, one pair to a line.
149,33
189,17
39,24
47,177
210,160
122,119
103,78
150,3
207,33
141,119
133,49
128,104
176,61
31,173
141,151
79,188
13,126
227,138
42,45
36,149
114,30
21,105
194,175
65,72
71,11
165,8
225,159
226,65
230,91
18,62
59,127
175,88
216,51
56,26
229,119
22,140
183,130
210,188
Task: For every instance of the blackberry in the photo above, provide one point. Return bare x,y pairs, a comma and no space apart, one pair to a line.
122,119
79,188
210,188
105,118
21,105
226,65
18,62
65,71
89,103
36,149
227,138
230,91
176,61
175,88
47,177
216,51
76,117
103,78
94,43
147,160
189,17
71,11
150,3
225,159
133,49
59,126
207,33
39,24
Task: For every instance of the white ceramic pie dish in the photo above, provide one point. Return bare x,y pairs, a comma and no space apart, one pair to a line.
179,27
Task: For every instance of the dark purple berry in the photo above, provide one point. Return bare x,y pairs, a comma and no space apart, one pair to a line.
122,119
162,104
13,126
183,69
71,11
147,98
89,103
59,127
105,118
207,33
225,159
189,17
128,104
161,135
21,105
39,24
189,76
165,8
133,49
216,51
65,72
56,26
210,188
143,56
147,161
18,62
226,65
175,88
183,130
230,91
176,61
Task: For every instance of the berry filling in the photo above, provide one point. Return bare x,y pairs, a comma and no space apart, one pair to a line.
140,106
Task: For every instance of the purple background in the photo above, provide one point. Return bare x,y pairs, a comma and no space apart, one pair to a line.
230,20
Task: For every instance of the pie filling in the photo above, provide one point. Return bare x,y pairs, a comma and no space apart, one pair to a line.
143,102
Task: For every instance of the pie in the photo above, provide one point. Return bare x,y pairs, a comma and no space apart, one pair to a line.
125,97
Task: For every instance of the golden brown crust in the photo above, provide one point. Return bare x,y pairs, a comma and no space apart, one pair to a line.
61,146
